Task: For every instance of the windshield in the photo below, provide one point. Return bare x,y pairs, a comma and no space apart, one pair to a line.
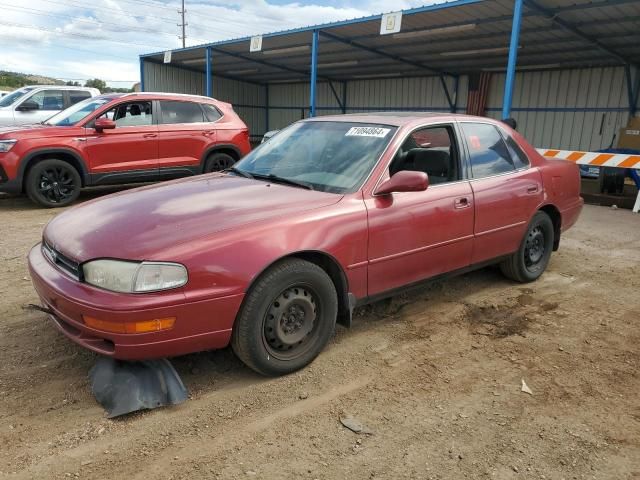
12,97
327,156
77,112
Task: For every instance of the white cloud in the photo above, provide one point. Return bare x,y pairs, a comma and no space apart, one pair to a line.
73,38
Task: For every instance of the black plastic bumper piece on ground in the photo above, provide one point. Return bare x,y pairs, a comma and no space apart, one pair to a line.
124,387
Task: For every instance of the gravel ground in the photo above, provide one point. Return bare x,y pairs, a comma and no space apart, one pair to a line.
434,377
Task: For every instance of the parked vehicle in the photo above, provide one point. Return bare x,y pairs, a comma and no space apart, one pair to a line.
120,138
331,213
36,103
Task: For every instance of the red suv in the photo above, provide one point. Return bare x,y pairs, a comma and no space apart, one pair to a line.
120,138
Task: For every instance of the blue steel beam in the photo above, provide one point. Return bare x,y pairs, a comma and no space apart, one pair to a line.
314,73
141,74
266,108
633,89
513,58
381,53
208,72
576,31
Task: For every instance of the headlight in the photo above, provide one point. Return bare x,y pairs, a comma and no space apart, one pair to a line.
5,145
134,277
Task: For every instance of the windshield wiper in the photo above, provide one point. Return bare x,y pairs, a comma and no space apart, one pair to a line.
237,171
285,181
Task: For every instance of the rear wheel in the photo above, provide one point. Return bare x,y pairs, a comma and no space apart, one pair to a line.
287,318
53,183
216,162
532,258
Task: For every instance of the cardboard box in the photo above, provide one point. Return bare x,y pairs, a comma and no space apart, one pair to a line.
629,137
634,123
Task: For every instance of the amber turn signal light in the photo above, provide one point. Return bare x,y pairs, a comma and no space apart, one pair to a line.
155,325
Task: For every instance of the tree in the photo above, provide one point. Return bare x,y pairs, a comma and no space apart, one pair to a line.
96,83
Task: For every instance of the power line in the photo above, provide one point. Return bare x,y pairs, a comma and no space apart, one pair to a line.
94,22
79,35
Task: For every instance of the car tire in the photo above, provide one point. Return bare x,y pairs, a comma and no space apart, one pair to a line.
53,183
216,162
532,258
286,318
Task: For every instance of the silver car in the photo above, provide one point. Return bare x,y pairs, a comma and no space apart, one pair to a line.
36,103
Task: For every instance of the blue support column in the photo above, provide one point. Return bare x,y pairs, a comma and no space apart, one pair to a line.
141,74
314,73
209,80
513,57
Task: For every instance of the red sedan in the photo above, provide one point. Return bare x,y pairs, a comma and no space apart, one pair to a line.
330,213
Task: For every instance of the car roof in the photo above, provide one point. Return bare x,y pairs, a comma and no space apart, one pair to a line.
57,87
399,119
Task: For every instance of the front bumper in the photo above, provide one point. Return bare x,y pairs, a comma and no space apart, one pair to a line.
9,178
201,325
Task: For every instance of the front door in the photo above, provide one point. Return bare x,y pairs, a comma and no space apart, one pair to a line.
128,152
417,235
506,189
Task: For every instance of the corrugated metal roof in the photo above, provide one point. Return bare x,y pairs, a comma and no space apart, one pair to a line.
455,37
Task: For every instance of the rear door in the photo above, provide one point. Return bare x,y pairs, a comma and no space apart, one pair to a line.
506,189
39,106
417,235
184,134
128,152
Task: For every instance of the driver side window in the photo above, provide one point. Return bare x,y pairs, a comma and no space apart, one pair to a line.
131,114
430,150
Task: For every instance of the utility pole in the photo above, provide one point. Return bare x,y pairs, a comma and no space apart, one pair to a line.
182,12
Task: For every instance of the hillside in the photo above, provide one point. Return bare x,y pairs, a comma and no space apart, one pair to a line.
12,80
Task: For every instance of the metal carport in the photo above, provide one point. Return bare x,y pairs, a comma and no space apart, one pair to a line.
429,64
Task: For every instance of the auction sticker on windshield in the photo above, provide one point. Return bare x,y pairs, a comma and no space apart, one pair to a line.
367,132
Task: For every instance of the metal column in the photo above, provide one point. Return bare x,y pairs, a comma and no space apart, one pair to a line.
513,56
141,74
266,108
209,80
632,88
314,72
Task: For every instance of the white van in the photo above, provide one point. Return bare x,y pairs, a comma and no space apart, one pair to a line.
36,103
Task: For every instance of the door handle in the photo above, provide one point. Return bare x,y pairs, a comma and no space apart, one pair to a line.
532,189
150,135
462,202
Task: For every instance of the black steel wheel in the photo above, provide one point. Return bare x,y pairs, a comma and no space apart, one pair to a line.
216,162
53,183
286,319
532,258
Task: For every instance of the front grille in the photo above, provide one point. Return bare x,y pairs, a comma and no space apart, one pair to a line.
61,261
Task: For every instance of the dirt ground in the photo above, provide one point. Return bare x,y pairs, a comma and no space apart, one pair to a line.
434,376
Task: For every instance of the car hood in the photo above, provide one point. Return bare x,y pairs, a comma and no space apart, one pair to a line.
140,224
38,130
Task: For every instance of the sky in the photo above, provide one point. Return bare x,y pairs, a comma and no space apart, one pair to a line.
75,40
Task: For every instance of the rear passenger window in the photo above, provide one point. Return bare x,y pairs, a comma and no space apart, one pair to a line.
77,96
181,112
211,112
520,158
487,151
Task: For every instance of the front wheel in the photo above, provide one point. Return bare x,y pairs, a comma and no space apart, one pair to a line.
53,183
216,162
532,258
287,318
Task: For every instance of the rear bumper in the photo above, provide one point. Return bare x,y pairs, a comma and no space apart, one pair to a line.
201,325
10,186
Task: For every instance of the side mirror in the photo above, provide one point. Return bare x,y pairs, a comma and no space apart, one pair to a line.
28,105
104,124
404,181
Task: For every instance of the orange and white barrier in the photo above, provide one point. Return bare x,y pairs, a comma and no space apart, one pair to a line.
621,160
596,159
